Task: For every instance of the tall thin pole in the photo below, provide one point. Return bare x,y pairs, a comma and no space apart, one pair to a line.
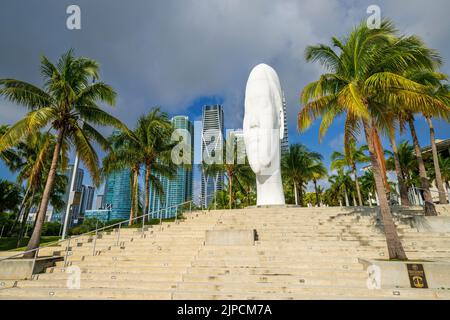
71,196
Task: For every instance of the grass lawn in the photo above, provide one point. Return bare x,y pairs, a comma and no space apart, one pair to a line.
10,243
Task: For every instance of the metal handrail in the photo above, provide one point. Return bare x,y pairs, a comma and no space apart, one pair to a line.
435,191
92,231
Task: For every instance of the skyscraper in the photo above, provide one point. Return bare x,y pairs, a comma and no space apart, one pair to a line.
212,142
178,189
285,140
87,198
117,195
98,202
75,205
115,203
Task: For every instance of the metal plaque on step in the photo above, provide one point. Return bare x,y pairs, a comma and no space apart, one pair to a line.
416,275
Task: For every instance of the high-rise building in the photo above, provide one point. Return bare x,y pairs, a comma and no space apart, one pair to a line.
179,189
74,213
117,195
285,140
98,202
212,142
87,198
115,203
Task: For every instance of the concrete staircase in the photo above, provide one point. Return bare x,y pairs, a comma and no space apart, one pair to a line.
299,253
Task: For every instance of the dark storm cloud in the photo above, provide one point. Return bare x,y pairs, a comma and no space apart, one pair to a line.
170,53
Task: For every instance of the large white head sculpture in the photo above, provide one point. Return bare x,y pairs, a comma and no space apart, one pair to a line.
263,130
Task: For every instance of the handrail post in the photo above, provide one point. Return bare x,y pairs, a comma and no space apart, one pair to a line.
95,240
34,262
67,252
143,223
176,214
118,235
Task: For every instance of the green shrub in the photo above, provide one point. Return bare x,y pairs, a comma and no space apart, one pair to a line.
6,222
51,228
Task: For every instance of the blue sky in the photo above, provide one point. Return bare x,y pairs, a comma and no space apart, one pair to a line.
181,55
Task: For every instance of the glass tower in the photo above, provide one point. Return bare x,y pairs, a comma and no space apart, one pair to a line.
75,205
212,141
117,196
178,189
285,140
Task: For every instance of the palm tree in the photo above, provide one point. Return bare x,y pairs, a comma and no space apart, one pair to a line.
395,164
341,183
148,145
318,171
430,209
9,156
368,184
35,154
152,137
355,155
246,182
298,167
444,164
10,195
68,105
233,167
362,78
439,91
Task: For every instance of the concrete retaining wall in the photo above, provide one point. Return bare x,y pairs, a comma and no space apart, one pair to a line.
394,274
22,269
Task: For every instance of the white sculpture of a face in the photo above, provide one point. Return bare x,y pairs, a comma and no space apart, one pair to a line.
263,129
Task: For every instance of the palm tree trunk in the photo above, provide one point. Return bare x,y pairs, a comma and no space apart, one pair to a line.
347,203
317,193
358,190
132,196
23,225
230,191
398,170
430,209
36,236
395,247
134,199
21,209
295,194
300,195
380,156
437,169
147,188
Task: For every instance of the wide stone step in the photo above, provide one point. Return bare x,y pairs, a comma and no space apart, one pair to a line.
161,275
117,270
271,270
153,257
316,293
138,264
90,293
284,280
306,265
97,284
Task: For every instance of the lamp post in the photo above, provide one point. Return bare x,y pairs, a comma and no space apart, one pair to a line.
71,196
